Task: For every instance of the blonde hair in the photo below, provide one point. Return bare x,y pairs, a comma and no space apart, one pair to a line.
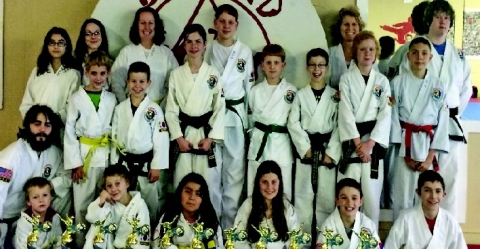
98,58
362,36
350,10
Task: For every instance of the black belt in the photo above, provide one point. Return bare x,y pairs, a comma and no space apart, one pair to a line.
267,129
135,164
348,148
453,115
196,122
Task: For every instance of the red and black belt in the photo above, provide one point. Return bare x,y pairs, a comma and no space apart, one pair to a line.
409,130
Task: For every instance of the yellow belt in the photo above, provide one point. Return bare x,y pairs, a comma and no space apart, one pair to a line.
95,143
210,244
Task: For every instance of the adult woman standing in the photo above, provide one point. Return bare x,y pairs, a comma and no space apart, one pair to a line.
348,24
147,35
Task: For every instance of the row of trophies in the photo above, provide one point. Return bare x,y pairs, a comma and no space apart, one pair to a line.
297,237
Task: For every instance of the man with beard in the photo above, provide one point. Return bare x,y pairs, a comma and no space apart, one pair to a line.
35,153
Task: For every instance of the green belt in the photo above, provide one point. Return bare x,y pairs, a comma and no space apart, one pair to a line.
267,129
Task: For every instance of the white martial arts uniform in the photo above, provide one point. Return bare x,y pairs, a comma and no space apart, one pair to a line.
271,105
161,61
360,103
20,163
235,64
242,220
85,122
411,231
119,214
417,102
307,118
335,223
51,89
50,239
196,97
140,134
184,241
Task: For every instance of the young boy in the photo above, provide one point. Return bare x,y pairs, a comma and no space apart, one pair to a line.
419,123
140,129
347,221
38,195
87,133
270,102
427,225
234,61
312,124
364,119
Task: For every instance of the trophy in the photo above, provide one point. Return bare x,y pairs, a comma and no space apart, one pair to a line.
298,238
37,228
367,241
136,231
266,235
101,230
200,235
169,232
70,230
330,238
232,236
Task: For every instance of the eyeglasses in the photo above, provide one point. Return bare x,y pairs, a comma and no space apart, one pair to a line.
321,66
60,43
96,33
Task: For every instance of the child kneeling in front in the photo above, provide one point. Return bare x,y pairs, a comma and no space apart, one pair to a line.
191,206
116,205
346,220
427,225
38,194
267,207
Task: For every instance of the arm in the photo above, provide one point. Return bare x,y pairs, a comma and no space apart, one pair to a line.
466,89
21,233
396,130
248,82
334,147
458,240
397,235
161,142
381,131
144,216
292,221
219,238
119,76
96,212
75,83
242,220
114,154
71,145
217,119
156,241
28,100
61,181
172,64
299,135
172,110
346,118
441,140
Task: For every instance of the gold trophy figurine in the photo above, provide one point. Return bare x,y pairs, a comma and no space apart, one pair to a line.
136,231
330,238
169,232
71,229
199,235
367,240
37,228
265,236
101,230
232,236
298,238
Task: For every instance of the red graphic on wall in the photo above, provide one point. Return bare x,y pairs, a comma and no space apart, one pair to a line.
401,29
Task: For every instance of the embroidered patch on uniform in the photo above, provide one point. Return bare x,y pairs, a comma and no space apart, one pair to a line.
5,175
222,94
391,100
461,54
150,114
336,97
47,170
289,96
241,65
377,91
162,126
212,81
252,77
437,93
145,239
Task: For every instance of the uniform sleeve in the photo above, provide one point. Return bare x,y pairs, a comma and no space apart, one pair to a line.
5,182
156,235
95,212
397,235
458,240
466,89
217,119
219,238
292,220
249,80
394,62
119,76
172,64
114,154
21,233
172,110
61,181
396,130
161,142
299,135
28,100
241,220
144,216
334,148
326,224
441,141
381,132
346,118
74,84
251,104
71,144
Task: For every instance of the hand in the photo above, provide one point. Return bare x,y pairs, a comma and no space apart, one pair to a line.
105,197
153,175
363,152
309,153
327,160
412,164
78,174
205,144
422,166
184,144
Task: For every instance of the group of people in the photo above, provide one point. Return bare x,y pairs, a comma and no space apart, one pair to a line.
210,136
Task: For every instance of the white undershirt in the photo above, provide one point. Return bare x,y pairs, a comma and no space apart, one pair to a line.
194,76
224,53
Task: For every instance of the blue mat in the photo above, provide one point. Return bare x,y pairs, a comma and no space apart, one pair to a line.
472,112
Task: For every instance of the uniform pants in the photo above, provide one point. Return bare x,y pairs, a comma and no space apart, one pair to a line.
286,174
371,188
232,159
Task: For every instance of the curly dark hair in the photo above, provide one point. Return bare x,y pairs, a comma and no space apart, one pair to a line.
159,36
31,117
435,7
44,59
335,28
